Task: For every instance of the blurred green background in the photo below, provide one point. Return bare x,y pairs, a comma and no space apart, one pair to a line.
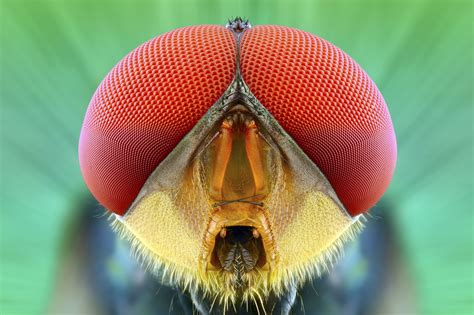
420,54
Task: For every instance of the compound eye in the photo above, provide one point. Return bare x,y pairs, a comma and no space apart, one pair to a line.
147,104
328,105
316,92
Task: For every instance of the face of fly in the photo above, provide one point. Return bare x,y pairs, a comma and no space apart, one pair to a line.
237,210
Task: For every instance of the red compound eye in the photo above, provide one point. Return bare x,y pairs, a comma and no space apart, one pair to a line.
328,104
146,105
157,93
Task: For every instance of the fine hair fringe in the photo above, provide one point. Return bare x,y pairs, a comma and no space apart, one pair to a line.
209,285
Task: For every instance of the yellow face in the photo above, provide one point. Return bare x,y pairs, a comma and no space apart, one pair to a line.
237,211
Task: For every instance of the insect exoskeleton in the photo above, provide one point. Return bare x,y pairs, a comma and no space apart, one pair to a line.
237,160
